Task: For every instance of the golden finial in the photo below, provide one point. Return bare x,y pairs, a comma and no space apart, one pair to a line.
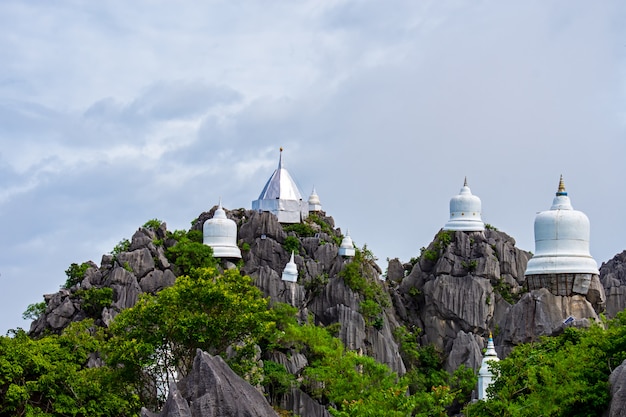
490,335
561,190
281,148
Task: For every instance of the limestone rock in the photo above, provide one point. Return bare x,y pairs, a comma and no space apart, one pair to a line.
613,279
617,381
466,350
212,389
301,404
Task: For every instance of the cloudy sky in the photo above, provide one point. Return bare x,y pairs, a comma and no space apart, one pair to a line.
113,113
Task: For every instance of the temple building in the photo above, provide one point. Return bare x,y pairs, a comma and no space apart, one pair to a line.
562,262
282,197
347,246
290,273
220,233
485,376
465,210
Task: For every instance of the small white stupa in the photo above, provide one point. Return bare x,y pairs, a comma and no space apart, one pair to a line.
220,233
485,376
314,202
282,197
561,240
465,210
290,273
347,246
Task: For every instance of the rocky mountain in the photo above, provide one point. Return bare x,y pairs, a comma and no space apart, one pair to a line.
457,290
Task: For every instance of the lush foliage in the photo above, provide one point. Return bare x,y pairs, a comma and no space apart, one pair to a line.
48,377
158,337
566,375
94,300
188,253
153,224
34,311
292,244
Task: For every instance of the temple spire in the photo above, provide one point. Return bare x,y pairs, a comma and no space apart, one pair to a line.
561,190
280,159
465,182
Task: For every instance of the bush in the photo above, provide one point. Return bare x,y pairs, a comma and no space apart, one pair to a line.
95,299
75,274
292,244
153,224
34,311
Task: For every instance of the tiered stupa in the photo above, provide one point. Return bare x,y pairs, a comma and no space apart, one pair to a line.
314,202
347,246
290,273
282,197
220,233
465,211
562,262
485,376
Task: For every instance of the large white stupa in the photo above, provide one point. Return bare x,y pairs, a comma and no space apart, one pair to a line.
220,233
314,202
485,376
465,209
562,260
282,197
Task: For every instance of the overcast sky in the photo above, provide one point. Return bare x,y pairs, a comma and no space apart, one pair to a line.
114,113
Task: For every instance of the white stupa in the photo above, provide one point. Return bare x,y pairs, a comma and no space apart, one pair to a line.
282,197
561,240
485,376
290,273
465,211
347,246
314,202
220,233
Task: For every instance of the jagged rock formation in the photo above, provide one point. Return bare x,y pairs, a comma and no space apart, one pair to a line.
212,389
613,278
468,283
142,268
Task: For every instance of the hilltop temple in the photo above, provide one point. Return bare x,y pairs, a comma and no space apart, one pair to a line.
465,210
282,197
562,262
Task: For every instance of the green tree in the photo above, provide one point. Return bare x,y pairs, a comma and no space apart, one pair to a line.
204,310
75,274
48,376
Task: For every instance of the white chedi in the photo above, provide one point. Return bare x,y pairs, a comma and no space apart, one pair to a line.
485,376
290,273
561,240
465,212
220,233
347,246
314,202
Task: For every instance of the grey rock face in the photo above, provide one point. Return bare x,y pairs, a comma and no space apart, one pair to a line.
617,380
461,287
613,279
212,389
303,405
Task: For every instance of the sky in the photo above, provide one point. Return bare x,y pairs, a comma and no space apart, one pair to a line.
114,113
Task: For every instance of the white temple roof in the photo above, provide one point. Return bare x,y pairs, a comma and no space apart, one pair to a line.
280,185
282,197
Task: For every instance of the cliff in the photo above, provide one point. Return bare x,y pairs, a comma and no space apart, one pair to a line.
459,288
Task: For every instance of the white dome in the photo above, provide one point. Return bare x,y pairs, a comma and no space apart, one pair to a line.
465,210
347,246
561,240
290,272
220,233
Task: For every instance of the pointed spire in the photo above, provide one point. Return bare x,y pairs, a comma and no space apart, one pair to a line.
465,182
280,159
561,190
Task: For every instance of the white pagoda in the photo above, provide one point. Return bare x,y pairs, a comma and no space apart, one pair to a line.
220,233
465,210
562,262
